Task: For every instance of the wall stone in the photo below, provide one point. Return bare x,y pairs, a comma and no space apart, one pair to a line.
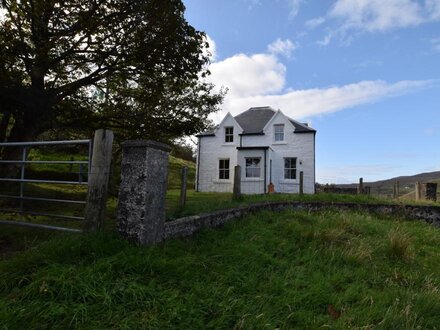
188,226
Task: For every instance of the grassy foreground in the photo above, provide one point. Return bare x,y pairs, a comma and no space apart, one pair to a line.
271,270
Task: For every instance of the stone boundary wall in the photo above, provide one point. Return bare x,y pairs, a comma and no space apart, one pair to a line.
340,190
188,226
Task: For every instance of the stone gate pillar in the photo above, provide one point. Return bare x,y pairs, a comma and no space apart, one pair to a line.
141,206
431,191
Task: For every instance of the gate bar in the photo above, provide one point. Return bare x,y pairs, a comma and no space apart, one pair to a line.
68,217
42,143
35,225
44,162
44,199
43,181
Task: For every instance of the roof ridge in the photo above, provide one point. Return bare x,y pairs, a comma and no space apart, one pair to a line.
256,108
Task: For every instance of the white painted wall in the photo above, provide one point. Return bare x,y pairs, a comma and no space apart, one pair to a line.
299,145
211,150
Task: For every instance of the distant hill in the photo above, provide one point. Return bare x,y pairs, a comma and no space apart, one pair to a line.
407,183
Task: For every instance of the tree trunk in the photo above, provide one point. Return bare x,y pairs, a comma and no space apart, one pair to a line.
22,131
4,124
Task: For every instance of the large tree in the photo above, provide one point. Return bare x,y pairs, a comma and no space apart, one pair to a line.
136,66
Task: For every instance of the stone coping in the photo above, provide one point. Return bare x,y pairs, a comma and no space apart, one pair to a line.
188,226
146,143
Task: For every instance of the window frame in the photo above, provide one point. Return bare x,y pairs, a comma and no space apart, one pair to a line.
279,134
229,135
291,169
252,169
226,171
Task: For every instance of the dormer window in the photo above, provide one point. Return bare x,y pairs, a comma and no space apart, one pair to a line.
278,132
229,134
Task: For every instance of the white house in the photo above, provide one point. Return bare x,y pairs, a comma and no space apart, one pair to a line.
270,147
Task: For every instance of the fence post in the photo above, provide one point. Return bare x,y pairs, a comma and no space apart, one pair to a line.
301,182
142,192
361,186
98,180
236,195
418,191
183,186
396,190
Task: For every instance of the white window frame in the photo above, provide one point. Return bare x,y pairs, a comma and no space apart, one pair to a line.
291,168
229,135
278,135
252,168
224,170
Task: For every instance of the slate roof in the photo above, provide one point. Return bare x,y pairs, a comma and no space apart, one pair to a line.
254,119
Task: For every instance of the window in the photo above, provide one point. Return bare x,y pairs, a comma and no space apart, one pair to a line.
229,134
289,168
253,167
223,169
279,132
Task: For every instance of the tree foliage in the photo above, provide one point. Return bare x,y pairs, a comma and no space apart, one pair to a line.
135,66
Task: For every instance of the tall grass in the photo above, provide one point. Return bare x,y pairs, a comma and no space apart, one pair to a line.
399,245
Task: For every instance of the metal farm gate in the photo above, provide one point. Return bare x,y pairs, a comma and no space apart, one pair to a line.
21,197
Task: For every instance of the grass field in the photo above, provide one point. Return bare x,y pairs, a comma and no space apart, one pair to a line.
284,270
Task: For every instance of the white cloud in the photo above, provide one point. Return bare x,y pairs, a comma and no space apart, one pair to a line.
246,76
433,9
211,51
315,22
375,16
301,104
294,6
281,47
258,80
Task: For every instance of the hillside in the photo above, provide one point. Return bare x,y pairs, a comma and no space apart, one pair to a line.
175,166
407,183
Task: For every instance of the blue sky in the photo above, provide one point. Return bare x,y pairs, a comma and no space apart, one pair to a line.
364,73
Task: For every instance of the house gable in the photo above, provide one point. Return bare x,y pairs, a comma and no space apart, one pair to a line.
279,118
228,121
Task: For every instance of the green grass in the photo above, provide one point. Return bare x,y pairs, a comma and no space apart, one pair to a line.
200,202
270,270
174,172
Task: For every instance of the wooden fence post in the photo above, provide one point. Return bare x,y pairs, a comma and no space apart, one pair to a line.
236,195
361,186
98,180
301,182
418,191
183,186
